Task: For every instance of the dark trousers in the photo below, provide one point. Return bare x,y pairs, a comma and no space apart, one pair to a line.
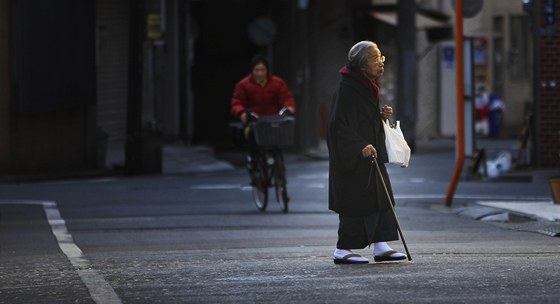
251,149
358,232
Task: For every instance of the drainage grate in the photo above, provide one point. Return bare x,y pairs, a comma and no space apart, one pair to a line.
548,228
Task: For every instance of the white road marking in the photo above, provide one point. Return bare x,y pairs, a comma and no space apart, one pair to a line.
98,288
316,185
474,197
437,196
217,187
314,176
84,181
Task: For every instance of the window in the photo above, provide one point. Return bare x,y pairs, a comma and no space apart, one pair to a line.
518,54
497,55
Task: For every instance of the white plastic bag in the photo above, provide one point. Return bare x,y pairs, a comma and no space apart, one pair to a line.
397,147
499,165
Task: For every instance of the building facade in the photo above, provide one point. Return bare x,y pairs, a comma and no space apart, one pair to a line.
111,85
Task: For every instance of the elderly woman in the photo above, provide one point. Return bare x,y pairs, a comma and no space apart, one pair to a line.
355,134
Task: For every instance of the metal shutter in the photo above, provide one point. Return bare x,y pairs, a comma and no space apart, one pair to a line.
112,72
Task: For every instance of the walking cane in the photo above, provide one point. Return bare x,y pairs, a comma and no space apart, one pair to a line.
374,160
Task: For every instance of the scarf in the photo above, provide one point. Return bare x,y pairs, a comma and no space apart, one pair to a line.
370,84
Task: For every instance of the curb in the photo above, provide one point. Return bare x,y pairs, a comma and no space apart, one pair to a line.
515,220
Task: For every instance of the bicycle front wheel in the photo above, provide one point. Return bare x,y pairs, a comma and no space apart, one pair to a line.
280,183
260,187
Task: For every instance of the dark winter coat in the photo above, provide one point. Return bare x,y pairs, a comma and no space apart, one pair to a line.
354,122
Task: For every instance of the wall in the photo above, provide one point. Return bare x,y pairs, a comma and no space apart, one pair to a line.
548,122
332,39
112,39
5,84
516,92
427,122
47,90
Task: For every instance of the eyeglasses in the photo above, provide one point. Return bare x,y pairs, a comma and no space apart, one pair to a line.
379,59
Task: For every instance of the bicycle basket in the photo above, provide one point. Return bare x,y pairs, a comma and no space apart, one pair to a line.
274,131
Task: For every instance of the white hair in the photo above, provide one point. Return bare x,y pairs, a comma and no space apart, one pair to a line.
357,56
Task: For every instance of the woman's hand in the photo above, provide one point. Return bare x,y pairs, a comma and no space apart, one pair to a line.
369,151
247,117
386,111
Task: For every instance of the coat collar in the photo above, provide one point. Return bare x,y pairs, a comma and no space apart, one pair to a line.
268,78
369,84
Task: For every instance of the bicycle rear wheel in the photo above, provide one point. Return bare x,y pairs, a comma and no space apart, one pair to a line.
260,186
280,182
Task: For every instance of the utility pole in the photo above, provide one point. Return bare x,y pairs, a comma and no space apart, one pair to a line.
407,70
460,141
143,136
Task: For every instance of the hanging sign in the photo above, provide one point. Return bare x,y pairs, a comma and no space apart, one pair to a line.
154,26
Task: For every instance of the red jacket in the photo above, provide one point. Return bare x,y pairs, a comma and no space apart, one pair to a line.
267,100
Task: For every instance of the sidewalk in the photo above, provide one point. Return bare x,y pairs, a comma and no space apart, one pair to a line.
181,159
506,211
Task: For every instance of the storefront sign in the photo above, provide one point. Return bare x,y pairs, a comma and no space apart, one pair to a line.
154,26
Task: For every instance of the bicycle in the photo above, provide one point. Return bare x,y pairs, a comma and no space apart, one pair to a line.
268,169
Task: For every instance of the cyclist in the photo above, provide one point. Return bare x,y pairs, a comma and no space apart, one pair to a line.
259,94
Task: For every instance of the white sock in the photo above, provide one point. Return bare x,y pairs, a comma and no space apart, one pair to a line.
382,247
340,253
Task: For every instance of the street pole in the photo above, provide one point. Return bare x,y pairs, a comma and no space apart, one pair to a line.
134,104
460,146
407,75
534,136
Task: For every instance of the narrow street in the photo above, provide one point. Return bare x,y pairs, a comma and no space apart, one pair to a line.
198,238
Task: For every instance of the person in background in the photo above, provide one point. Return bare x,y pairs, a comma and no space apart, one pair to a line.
355,135
260,94
482,107
489,109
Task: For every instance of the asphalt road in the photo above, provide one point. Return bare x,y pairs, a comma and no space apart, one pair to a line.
198,238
